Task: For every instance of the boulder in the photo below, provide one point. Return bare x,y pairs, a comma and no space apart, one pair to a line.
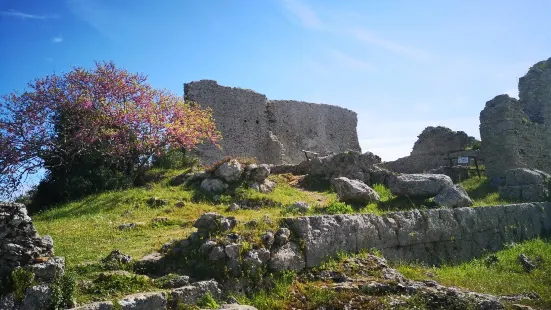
353,165
37,297
172,281
101,305
453,197
144,301
7,302
46,271
236,307
265,187
282,236
525,176
213,186
232,250
116,256
268,239
260,173
287,257
149,263
157,202
191,294
217,253
418,185
523,184
299,206
230,171
212,222
354,191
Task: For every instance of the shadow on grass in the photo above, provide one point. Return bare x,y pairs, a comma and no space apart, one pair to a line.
94,204
406,204
314,184
478,188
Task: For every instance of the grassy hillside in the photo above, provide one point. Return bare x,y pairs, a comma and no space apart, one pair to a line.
87,230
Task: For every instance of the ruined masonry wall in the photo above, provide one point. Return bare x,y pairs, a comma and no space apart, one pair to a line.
431,237
431,150
19,240
517,133
308,126
273,131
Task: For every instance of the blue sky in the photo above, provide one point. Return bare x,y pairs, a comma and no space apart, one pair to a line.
401,65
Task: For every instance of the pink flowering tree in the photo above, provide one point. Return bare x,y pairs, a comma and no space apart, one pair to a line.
106,111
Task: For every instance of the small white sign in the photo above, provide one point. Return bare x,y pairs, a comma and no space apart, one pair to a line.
463,160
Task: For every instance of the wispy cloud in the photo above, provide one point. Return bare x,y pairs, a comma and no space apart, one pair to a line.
310,19
22,15
100,16
304,13
369,37
57,39
349,61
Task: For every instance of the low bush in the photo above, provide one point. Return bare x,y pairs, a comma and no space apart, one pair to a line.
336,207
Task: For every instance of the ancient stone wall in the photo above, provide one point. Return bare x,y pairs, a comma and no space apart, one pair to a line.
308,126
517,133
431,150
19,241
273,131
432,236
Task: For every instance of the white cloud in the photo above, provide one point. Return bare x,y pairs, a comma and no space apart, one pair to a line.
57,39
310,19
349,61
369,37
307,17
21,15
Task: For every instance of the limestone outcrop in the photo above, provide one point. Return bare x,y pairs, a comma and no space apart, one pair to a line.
272,131
517,133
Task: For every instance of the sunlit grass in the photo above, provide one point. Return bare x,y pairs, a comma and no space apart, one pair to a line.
505,277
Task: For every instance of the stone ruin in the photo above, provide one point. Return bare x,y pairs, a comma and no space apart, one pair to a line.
432,149
20,244
272,131
517,133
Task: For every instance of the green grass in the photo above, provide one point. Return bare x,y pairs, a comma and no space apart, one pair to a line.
506,277
482,194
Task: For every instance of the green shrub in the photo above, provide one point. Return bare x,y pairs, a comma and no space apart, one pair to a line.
120,283
336,207
63,292
207,301
21,280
